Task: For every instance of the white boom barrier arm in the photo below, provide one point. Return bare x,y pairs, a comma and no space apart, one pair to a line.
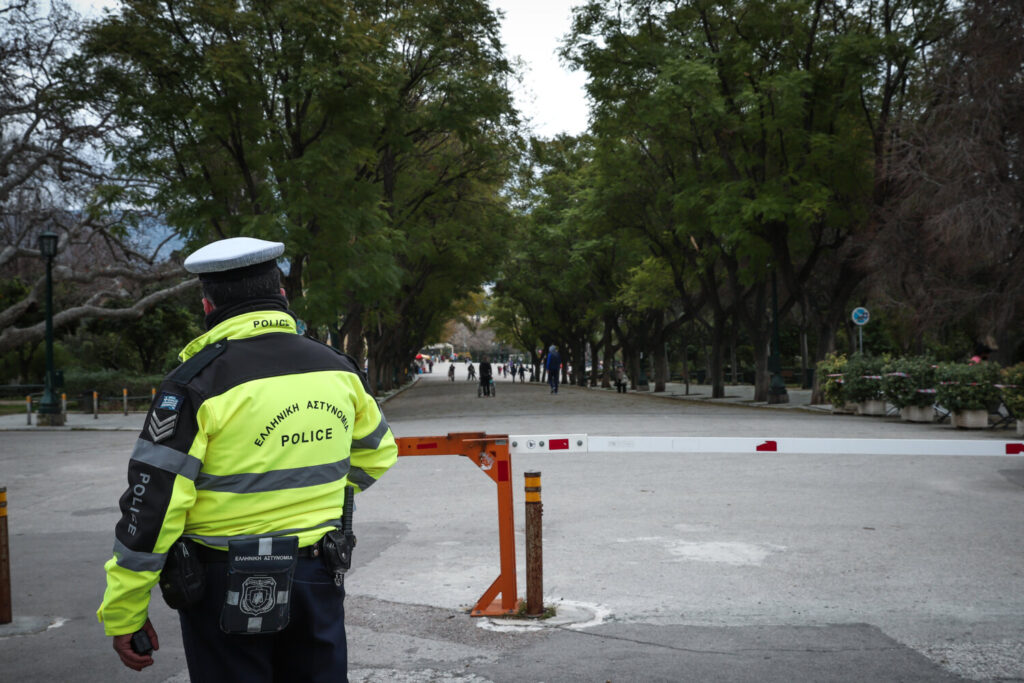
582,443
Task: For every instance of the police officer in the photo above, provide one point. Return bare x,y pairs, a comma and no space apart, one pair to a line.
245,456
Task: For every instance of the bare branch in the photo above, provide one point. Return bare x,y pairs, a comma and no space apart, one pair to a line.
12,337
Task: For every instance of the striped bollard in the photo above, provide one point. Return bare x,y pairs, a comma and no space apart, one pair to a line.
534,547
5,562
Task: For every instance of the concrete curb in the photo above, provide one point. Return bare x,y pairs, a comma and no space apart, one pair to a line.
738,402
399,390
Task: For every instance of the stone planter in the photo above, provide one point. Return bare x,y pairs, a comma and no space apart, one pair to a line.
1020,427
874,406
917,413
970,419
845,409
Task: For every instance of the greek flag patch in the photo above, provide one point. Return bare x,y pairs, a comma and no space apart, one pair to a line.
169,402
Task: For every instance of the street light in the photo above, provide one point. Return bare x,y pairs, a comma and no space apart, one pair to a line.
777,390
49,407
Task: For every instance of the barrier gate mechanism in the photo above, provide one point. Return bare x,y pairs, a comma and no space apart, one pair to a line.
490,453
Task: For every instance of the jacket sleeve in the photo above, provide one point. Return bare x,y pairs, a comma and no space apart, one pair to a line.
161,488
374,449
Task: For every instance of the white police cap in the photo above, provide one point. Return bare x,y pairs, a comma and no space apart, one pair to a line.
231,254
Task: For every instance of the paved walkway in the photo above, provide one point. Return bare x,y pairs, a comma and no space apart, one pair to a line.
774,568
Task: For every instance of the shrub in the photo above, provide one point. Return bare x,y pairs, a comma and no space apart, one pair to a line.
830,373
862,378
967,387
904,377
108,383
1013,389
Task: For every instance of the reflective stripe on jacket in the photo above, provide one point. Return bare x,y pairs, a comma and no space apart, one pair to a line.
257,432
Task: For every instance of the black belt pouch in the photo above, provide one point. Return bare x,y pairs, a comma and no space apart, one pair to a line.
260,573
182,580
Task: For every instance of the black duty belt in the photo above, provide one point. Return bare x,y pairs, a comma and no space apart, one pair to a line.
208,554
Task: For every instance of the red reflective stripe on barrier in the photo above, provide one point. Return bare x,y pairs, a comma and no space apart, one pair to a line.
558,445
503,474
1014,448
425,446
769,446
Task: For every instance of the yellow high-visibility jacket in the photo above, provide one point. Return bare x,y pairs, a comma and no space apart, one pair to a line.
257,432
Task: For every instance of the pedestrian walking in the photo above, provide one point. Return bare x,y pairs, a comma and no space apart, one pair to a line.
485,376
620,379
554,367
236,487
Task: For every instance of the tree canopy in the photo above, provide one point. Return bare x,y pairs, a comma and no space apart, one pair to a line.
845,152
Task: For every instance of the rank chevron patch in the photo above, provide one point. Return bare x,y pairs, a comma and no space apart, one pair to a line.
162,429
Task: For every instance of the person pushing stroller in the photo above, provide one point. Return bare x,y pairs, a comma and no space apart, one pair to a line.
485,376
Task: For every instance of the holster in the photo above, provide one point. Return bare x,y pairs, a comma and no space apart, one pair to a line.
182,580
337,549
260,573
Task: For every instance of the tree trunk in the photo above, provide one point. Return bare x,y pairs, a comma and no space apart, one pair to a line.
686,368
733,341
718,333
354,337
805,358
373,375
634,368
579,366
608,358
660,367
762,378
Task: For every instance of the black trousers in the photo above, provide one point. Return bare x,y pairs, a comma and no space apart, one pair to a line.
311,648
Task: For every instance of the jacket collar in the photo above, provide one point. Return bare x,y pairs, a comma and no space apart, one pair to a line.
241,327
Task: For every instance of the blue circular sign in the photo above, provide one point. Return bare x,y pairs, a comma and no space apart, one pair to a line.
861,316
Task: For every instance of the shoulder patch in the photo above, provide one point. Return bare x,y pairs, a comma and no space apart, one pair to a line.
161,428
187,371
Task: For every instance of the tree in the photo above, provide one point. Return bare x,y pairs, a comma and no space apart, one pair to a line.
753,127
952,250
557,285
51,180
369,137
443,156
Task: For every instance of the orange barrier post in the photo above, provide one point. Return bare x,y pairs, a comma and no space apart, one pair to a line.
490,453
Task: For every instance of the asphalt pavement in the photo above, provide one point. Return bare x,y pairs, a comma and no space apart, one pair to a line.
660,566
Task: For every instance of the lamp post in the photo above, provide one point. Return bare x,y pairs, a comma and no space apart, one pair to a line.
777,389
49,408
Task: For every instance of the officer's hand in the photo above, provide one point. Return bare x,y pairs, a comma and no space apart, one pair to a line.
131,658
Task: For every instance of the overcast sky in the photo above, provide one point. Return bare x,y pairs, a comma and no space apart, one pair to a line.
550,97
